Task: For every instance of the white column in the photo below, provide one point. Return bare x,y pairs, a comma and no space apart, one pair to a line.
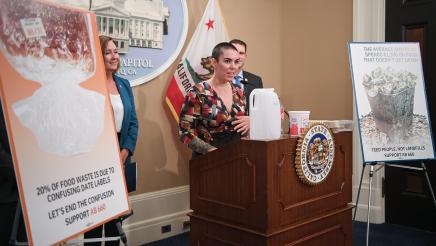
113,26
368,25
101,24
143,29
119,27
107,26
115,29
126,28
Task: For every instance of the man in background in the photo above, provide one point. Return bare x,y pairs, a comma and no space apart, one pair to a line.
247,80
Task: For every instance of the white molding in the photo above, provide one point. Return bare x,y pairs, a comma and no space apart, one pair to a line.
368,26
368,20
153,210
377,215
159,194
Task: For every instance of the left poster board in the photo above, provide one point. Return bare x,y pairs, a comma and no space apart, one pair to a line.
59,120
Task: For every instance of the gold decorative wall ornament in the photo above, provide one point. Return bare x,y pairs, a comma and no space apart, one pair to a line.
315,154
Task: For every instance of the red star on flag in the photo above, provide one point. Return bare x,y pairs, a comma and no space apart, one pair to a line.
209,24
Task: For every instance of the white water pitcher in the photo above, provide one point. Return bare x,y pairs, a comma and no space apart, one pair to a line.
265,120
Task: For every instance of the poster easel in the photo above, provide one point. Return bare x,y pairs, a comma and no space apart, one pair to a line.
372,171
123,237
13,238
392,112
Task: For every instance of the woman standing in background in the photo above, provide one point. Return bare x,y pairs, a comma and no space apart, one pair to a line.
126,122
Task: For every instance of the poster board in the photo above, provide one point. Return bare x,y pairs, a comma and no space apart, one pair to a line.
59,121
389,90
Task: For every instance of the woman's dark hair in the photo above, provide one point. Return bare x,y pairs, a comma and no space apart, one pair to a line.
240,42
218,49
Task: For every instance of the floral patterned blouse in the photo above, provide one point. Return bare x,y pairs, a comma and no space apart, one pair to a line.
204,113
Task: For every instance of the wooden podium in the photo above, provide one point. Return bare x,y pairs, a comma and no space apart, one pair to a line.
248,193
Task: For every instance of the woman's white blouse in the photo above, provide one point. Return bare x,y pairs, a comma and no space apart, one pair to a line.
118,108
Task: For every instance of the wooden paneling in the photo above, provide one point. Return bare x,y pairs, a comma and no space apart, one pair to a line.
297,201
328,229
252,186
237,175
415,184
408,201
417,33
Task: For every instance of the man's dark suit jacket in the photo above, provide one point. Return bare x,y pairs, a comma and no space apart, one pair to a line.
251,82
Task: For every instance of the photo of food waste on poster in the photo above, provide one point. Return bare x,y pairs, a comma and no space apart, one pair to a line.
391,103
59,120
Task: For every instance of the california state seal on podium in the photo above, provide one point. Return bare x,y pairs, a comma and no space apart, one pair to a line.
315,154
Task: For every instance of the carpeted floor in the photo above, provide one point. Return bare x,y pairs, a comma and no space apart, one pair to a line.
179,240
380,235
391,234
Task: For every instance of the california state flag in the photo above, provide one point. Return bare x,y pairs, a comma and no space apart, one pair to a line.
195,65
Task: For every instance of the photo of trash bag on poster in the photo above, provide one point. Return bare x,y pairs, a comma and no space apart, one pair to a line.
391,103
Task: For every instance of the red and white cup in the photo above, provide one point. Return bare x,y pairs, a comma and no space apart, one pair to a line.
298,121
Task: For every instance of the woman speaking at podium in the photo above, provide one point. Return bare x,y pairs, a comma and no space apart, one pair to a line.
213,113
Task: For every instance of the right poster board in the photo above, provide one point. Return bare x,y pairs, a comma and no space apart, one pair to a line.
389,90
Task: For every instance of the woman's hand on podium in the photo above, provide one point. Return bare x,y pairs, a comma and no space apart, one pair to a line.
211,149
242,124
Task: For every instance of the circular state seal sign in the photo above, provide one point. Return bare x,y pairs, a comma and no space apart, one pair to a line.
149,34
315,154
